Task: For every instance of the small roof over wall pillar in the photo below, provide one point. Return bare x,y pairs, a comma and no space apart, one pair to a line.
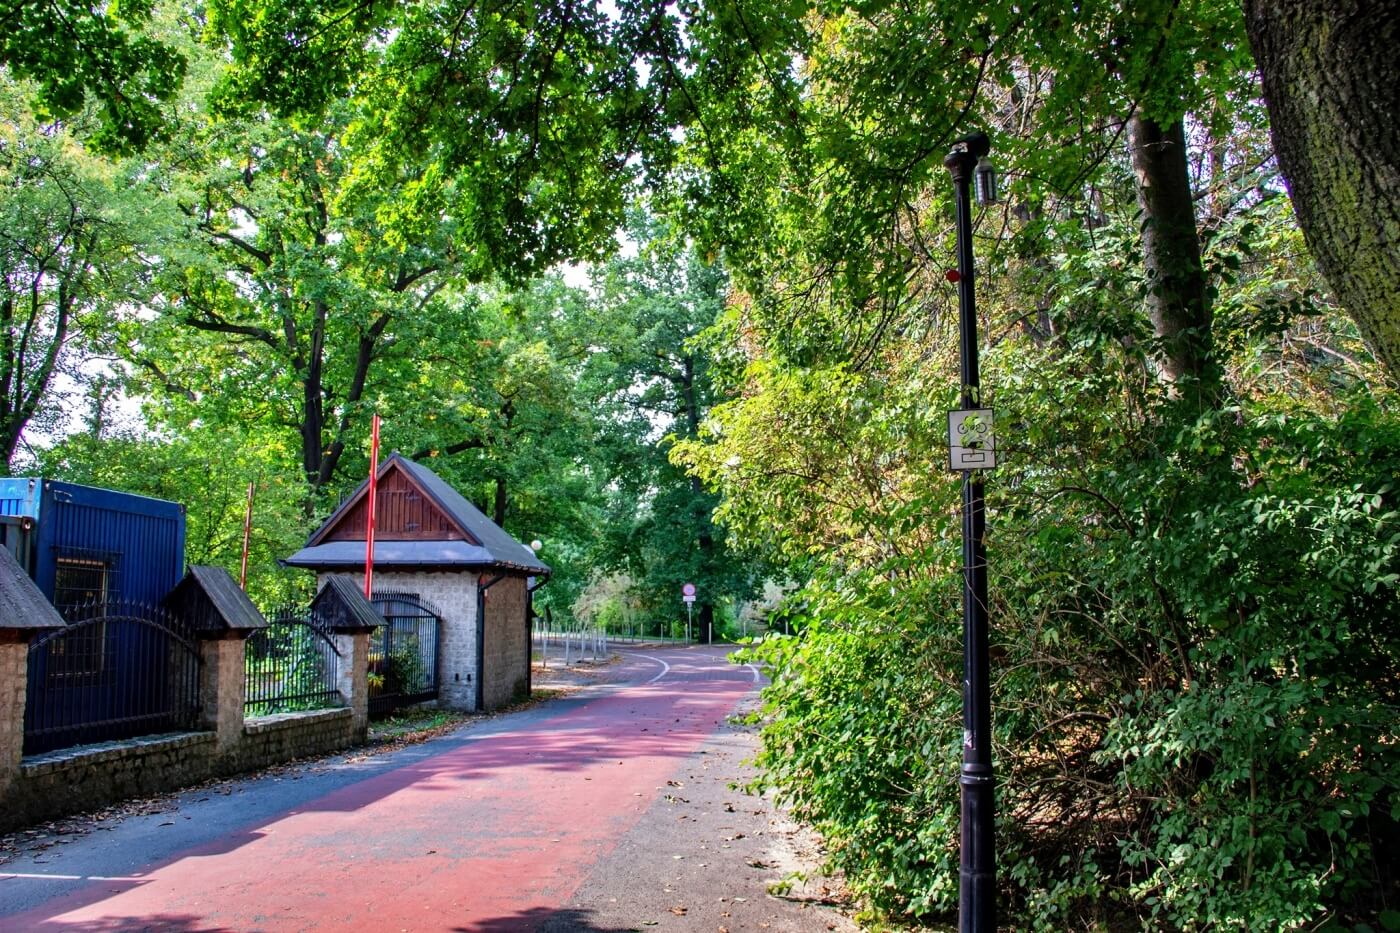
24,612
343,608
213,604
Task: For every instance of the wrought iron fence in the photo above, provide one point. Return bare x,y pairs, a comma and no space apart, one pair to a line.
290,665
402,652
116,671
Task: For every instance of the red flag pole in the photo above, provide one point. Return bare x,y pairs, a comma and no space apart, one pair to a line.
373,488
247,536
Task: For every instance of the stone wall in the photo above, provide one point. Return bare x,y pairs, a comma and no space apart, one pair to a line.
507,659
89,776
270,739
86,777
14,653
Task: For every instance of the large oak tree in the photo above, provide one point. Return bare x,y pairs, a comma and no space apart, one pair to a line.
1332,87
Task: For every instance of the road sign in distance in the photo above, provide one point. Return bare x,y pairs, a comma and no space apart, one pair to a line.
688,589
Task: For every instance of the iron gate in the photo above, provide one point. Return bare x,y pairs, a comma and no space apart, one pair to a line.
403,652
292,664
114,672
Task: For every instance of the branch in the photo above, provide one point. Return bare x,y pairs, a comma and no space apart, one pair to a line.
205,226
212,322
165,381
407,278
474,443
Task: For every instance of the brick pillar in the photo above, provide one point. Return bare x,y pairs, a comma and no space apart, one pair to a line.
14,672
352,679
221,689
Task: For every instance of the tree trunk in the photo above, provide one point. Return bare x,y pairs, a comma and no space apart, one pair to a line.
498,511
1176,297
1331,85
313,417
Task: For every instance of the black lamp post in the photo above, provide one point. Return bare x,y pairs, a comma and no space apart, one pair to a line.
977,873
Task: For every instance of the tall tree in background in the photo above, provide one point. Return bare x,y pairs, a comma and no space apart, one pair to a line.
68,260
1331,85
652,376
284,291
530,113
819,183
502,401
493,404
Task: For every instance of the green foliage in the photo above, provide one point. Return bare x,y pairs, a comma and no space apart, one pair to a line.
1274,757
208,471
280,297
75,51
823,181
1195,665
403,670
1195,696
864,714
286,669
650,378
525,113
70,231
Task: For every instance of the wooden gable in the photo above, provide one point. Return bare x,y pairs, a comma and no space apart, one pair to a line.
403,512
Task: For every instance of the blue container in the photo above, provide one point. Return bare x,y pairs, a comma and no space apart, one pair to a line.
81,544
98,554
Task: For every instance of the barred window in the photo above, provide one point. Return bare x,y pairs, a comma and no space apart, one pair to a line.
79,581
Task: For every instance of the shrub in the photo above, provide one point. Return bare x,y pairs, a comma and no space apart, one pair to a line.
1196,674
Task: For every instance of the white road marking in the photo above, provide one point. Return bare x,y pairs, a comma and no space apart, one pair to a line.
665,668
753,670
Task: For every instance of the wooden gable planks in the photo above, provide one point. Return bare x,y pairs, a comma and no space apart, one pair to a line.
404,512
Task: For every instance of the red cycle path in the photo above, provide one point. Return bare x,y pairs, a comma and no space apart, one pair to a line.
507,826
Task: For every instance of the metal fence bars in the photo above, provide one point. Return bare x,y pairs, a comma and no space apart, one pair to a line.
403,652
290,665
116,671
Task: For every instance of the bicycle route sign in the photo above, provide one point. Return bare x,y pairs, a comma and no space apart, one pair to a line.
971,443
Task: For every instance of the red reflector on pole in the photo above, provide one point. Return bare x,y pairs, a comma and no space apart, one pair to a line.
953,275
373,490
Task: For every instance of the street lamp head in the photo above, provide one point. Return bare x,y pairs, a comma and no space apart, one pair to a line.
985,180
968,151
975,144
536,544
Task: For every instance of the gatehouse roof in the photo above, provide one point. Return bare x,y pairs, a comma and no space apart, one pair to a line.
421,522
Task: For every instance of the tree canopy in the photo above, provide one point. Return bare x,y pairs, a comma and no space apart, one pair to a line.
75,52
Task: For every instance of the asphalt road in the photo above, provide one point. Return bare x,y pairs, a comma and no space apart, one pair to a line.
612,809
